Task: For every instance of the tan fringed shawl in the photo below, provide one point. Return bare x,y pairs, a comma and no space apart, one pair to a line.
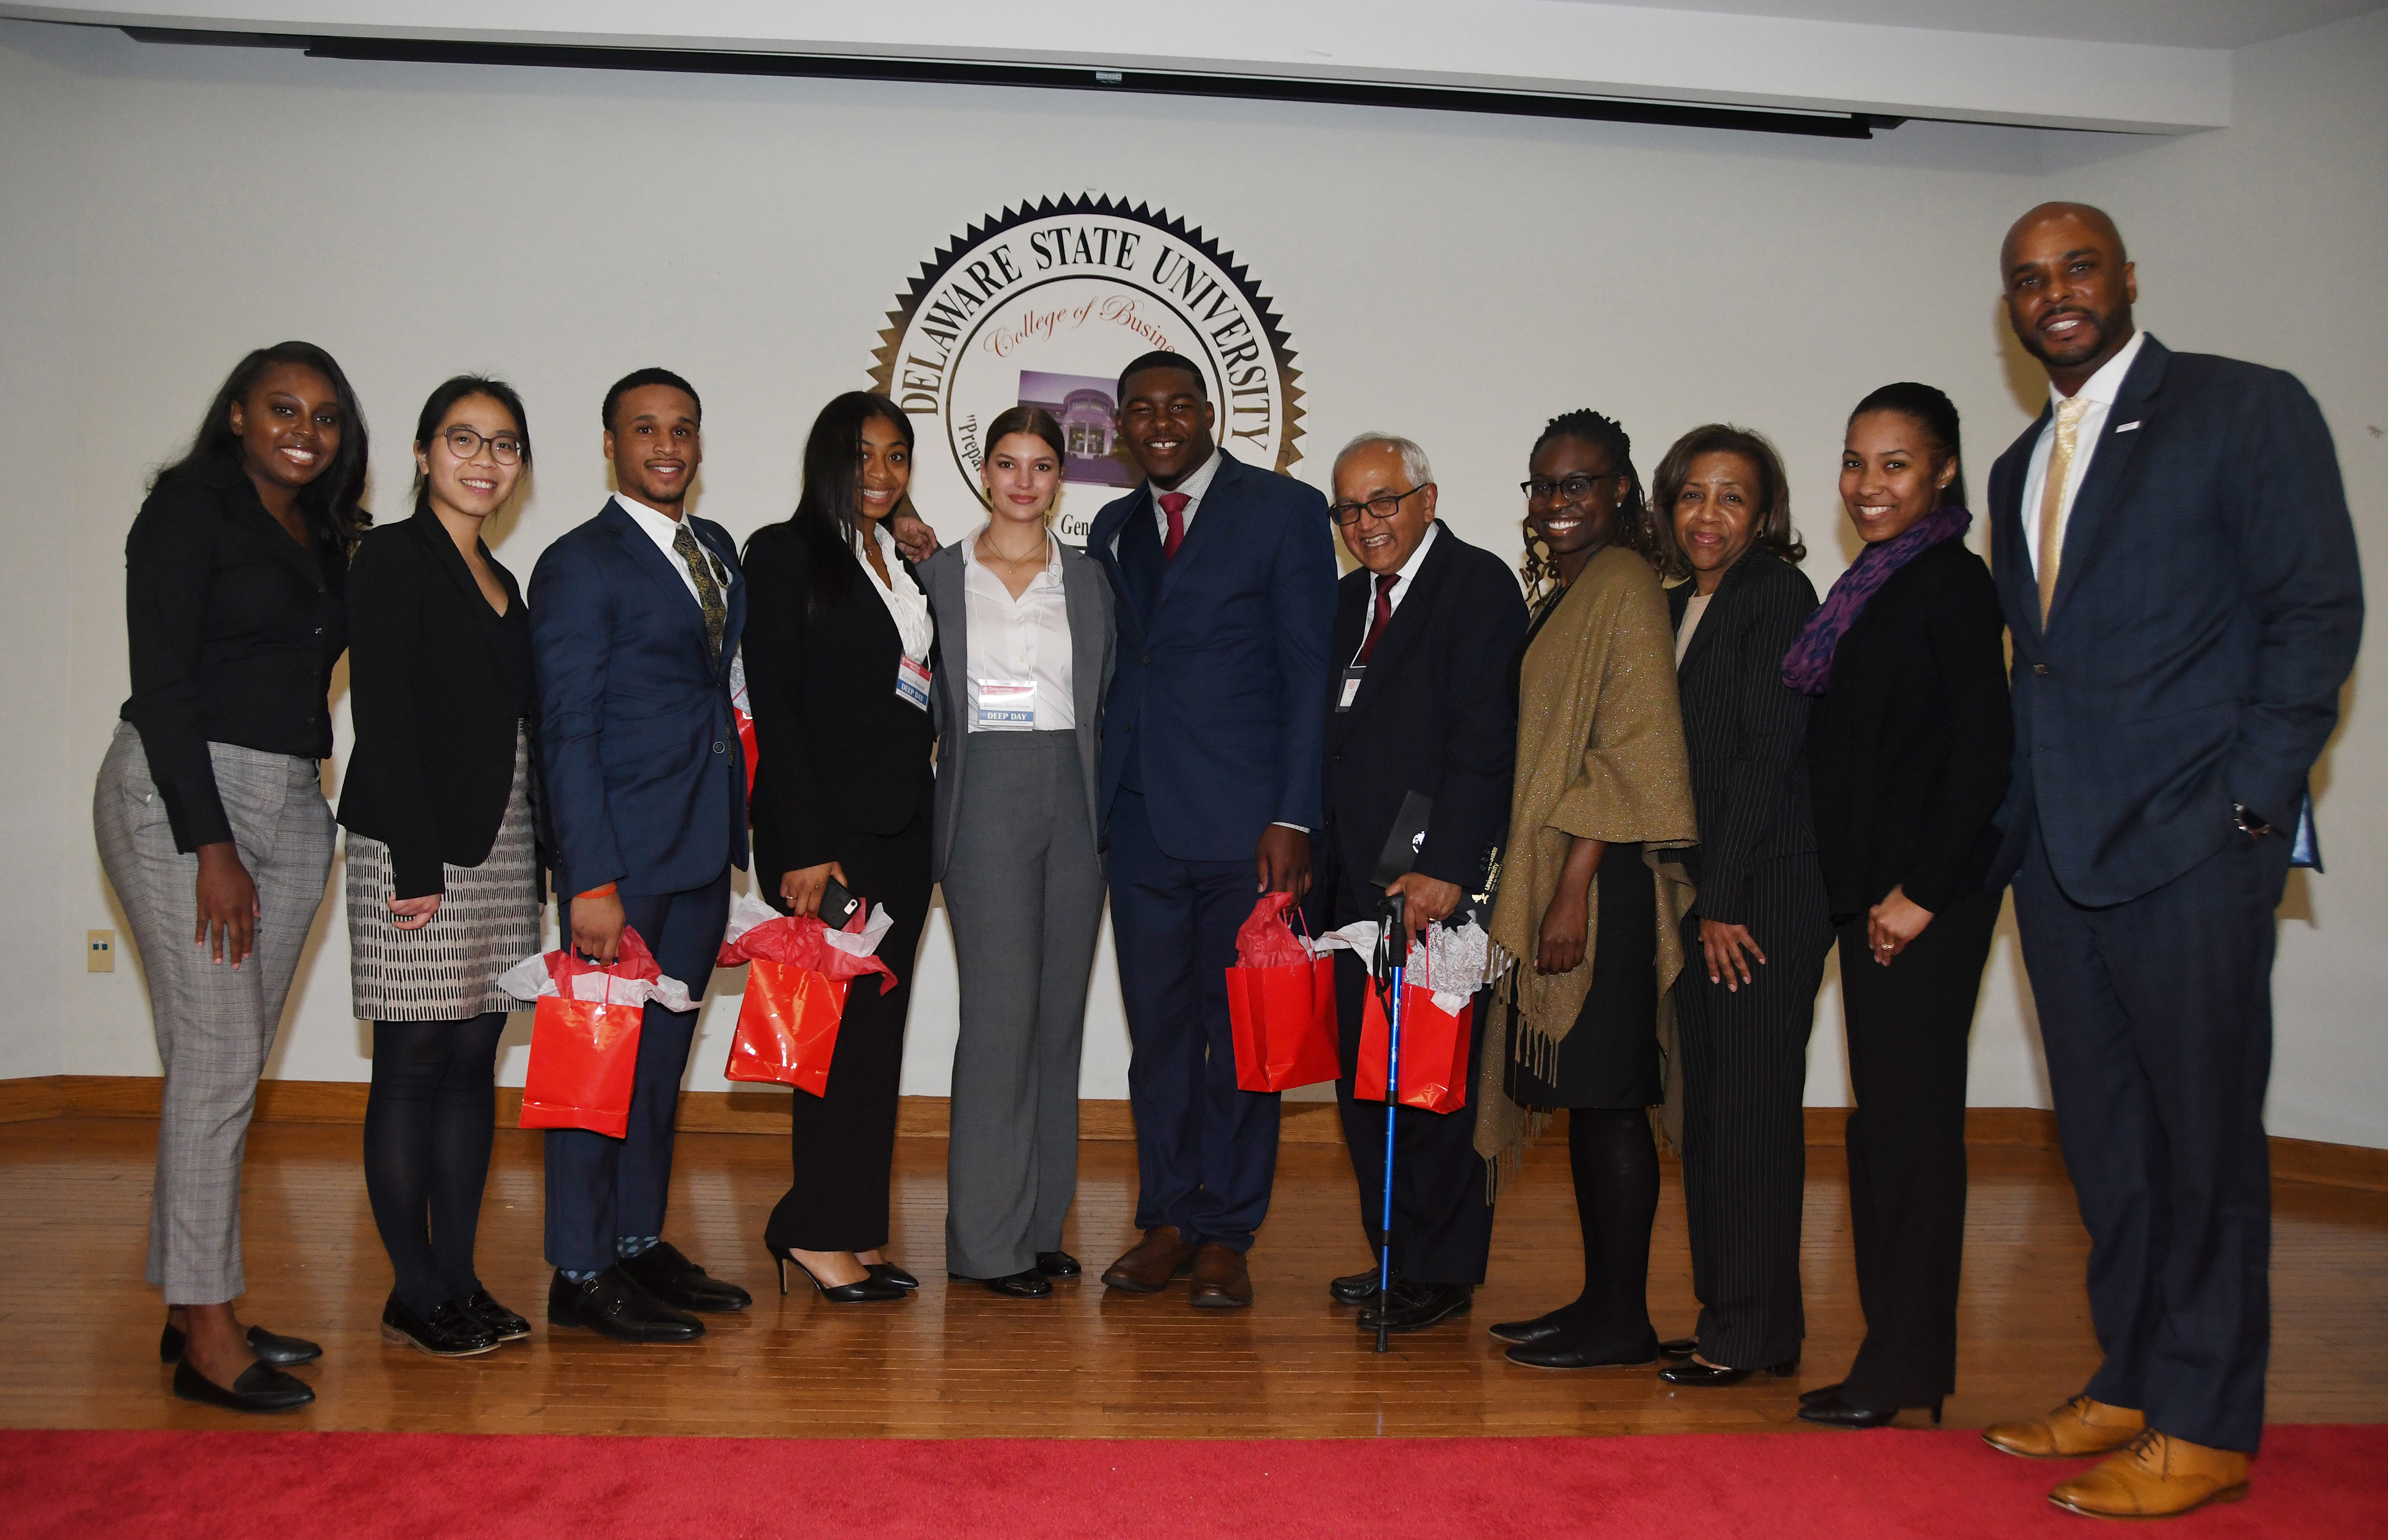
1600,756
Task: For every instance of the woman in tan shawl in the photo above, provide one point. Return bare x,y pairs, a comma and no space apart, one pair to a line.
1585,927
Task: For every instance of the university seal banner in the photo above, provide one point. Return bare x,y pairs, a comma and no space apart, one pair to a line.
1045,305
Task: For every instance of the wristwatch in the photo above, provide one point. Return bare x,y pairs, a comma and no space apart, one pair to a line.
2249,824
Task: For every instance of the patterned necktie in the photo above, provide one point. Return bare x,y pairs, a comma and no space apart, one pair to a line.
2069,413
708,591
1174,504
1384,618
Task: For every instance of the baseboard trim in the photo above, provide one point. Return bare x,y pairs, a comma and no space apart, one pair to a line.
765,1111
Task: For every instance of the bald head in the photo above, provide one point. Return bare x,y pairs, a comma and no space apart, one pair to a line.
2069,289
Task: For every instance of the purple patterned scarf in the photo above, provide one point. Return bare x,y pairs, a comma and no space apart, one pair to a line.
1810,663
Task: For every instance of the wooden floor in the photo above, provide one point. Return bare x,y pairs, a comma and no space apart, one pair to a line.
956,1361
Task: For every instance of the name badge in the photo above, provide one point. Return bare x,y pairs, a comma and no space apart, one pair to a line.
912,682
1006,705
1352,678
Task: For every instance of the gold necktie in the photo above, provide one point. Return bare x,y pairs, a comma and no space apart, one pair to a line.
708,592
2069,412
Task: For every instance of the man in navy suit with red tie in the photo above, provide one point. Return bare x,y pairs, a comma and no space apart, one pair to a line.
1224,576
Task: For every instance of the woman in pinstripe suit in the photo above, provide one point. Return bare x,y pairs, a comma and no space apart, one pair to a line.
1759,931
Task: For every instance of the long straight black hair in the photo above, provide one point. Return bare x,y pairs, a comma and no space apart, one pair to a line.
827,510
333,502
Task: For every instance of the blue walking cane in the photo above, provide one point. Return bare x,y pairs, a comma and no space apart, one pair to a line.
1392,952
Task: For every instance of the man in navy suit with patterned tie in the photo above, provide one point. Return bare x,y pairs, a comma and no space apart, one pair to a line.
635,616
1224,576
2179,573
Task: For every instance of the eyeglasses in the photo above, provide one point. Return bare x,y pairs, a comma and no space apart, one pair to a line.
463,443
1382,507
1572,490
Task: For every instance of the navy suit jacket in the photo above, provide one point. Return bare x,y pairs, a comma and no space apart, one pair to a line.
646,780
2206,611
1217,690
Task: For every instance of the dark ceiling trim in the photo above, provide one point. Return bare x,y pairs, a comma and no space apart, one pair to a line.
1049,77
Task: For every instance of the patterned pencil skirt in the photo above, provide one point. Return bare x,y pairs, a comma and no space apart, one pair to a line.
488,921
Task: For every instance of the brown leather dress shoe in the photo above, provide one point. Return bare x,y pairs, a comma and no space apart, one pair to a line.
2157,1476
1221,1279
2077,1428
1151,1262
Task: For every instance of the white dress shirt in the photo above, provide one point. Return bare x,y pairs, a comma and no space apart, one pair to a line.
1401,586
663,529
1019,640
1193,486
2100,391
906,605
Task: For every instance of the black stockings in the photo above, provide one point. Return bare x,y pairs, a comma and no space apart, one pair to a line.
1616,1167
429,1122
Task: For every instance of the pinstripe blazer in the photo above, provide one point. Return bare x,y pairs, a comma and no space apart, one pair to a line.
1747,734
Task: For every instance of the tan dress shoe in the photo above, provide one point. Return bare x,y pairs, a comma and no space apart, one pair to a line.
1221,1279
1151,1262
2157,1476
2078,1428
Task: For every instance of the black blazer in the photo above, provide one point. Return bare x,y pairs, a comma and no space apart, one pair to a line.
1436,714
837,751
1909,748
1746,729
437,683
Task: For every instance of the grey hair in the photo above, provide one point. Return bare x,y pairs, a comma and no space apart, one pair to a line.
1414,462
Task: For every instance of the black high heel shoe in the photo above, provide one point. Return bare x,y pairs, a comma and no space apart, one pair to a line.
888,1272
1689,1373
1830,1411
872,1290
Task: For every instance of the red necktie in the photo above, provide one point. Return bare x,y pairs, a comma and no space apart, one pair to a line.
1385,582
1174,504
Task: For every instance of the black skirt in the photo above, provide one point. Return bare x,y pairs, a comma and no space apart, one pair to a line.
1610,1057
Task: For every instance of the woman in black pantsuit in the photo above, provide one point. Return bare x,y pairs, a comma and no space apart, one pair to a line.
1758,933
1908,749
837,653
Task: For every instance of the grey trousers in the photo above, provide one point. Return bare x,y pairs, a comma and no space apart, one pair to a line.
215,1023
1024,895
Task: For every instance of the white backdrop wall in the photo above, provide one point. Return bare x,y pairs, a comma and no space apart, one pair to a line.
1457,279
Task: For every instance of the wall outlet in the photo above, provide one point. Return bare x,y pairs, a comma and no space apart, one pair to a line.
99,955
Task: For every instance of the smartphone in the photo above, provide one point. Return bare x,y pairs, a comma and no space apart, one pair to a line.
837,905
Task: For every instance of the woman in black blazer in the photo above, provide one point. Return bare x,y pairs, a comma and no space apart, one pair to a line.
1758,933
443,868
838,656
1908,749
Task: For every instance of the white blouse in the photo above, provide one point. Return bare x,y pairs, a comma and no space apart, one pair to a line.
1015,642
906,605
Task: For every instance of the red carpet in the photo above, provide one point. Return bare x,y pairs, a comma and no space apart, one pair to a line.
2313,1482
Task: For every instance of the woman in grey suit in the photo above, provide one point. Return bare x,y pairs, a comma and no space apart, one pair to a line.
1025,634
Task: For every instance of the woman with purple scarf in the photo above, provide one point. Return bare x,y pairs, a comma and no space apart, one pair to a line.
1907,749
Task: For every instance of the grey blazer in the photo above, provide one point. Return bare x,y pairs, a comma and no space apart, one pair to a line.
1087,595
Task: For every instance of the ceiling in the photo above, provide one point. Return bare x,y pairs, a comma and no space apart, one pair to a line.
2160,24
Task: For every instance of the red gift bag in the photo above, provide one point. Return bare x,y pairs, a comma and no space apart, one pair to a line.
787,1028
1281,1004
1434,1051
584,1034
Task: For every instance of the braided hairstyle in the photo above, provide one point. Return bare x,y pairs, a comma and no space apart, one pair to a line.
1632,530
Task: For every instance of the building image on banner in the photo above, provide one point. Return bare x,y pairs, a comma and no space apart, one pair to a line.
1043,306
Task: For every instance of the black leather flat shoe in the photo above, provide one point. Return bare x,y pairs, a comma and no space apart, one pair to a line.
504,1324
1058,1264
449,1332
888,1272
1414,1306
260,1388
1821,1392
681,1283
1541,1328
270,1348
1356,1288
870,1290
1834,1412
1688,1373
1028,1284
1565,1351
1679,1347
612,1305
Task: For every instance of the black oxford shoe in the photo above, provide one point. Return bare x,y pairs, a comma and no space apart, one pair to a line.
1689,1373
1414,1306
612,1305
1832,1412
1541,1328
504,1324
1026,1284
1058,1264
270,1348
449,1332
260,1388
1566,1349
1356,1288
677,1282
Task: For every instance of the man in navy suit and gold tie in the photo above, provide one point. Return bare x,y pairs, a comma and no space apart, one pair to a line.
1225,578
2179,573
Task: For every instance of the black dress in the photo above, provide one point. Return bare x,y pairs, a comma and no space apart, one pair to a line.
843,773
